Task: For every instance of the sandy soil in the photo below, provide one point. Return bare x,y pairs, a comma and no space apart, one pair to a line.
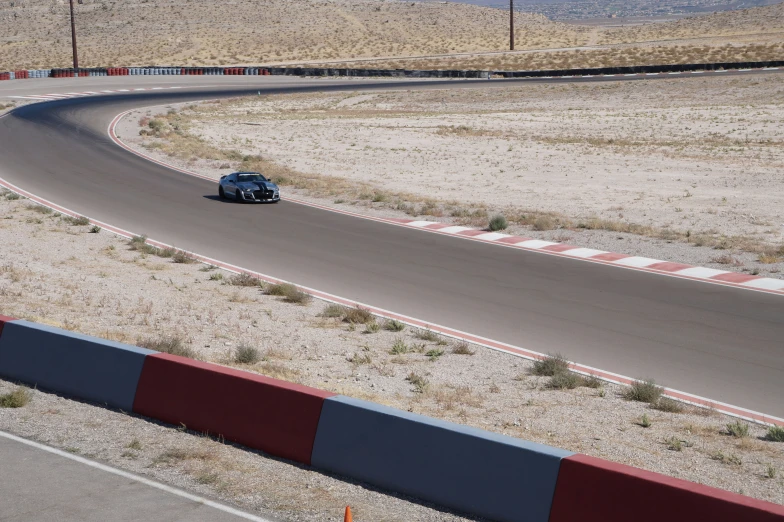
96,284
163,32
685,163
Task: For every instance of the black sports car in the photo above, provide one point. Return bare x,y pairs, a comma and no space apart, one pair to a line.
249,187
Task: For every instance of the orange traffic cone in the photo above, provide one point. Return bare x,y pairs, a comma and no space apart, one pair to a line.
347,518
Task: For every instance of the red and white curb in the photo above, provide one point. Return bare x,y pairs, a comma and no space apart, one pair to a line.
67,95
724,277
645,264
697,400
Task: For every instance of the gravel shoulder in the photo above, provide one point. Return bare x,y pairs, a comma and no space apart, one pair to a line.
687,170
97,284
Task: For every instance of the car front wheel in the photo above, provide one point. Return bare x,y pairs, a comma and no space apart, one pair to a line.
238,196
221,193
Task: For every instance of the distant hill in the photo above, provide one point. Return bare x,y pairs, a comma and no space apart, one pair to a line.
36,33
575,10
764,23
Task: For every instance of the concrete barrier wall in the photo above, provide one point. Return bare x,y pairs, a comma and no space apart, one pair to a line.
86,367
640,69
274,416
596,490
466,469
471,470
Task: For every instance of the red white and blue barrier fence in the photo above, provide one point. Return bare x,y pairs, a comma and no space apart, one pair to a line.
405,73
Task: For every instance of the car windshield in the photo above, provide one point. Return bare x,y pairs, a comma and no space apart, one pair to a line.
254,176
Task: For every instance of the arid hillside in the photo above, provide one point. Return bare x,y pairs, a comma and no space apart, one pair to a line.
258,31
147,32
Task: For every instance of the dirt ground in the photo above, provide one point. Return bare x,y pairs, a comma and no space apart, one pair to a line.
166,32
686,170
97,284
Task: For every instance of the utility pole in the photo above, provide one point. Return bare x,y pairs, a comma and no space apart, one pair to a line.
73,39
511,25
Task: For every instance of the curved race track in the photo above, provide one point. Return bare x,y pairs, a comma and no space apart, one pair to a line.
715,341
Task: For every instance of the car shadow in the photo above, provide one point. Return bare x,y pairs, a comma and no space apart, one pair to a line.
218,199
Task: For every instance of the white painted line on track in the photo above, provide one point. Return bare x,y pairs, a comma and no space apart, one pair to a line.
136,478
492,236
699,271
536,243
420,223
454,230
767,283
67,95
638,262
584,252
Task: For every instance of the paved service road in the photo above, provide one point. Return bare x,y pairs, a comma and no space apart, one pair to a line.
723,343
37,485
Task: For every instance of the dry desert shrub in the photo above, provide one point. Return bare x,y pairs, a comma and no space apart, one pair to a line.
462,348
171,344
290,293
245,280
333,311
17,398
551,365
357,316
245,354
644,391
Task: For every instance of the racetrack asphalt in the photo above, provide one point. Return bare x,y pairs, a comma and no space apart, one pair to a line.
41,483
719,342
